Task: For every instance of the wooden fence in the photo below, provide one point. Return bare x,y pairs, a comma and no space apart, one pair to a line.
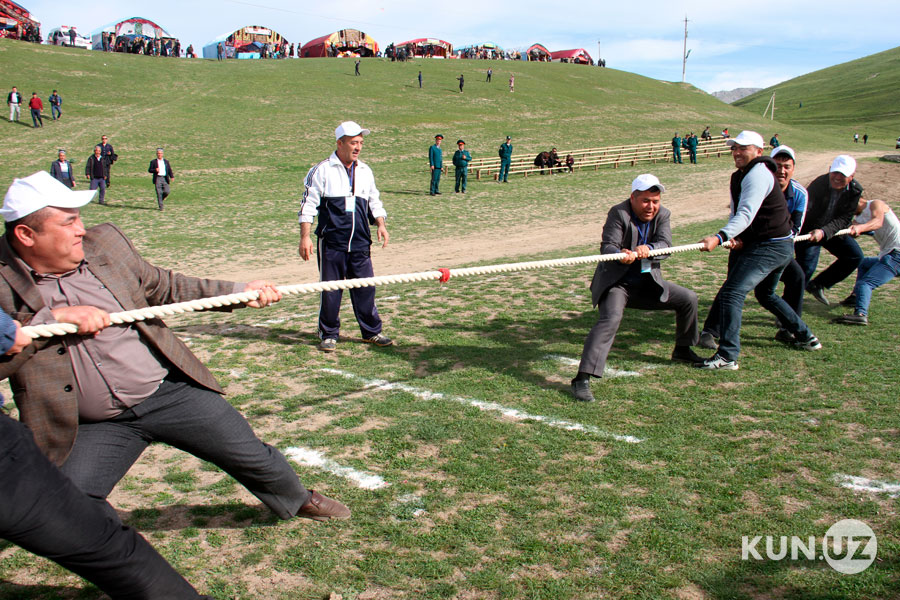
523,164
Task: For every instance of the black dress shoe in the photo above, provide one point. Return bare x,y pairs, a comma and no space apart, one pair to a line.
581,389
818,292
686,355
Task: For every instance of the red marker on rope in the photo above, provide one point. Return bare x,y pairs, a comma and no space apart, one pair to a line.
445,275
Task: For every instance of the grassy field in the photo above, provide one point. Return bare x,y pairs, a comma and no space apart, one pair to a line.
649,499
859,96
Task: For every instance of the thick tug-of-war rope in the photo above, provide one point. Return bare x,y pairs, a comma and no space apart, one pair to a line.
442,275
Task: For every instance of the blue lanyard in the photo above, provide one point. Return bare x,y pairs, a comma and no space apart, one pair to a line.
351,174
643,228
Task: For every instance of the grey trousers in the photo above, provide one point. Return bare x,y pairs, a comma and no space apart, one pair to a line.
192,419
162,191
644,296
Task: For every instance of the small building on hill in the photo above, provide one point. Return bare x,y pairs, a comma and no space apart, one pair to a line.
427,47
578,56
251,41
538,52
17,23
346,42
127,31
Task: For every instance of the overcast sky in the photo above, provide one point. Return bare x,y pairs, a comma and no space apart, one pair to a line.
732,44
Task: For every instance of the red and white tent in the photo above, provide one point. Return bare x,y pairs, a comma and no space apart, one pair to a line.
578,56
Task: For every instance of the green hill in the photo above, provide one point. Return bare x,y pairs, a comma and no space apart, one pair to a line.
856,96
242,134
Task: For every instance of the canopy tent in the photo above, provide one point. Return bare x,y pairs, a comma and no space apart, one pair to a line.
130,28
346,42
16,19
485,50
428,47
246,40
538,52
578,56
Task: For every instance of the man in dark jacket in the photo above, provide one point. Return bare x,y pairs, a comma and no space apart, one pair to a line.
109,154
162,176
833,199
634,227
61,169
461,159
96,169
55,104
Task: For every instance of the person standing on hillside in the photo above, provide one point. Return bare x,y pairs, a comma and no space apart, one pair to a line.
760,227
691,142
356,68
61,170
96,169
162,176
855,138
420,80
634,227
36,107
341,192
512,83
676,149
14,101
220,51
461,159
506,151
833,200
109,154
436,162
865,139
490,72
55,104
876,217
462,81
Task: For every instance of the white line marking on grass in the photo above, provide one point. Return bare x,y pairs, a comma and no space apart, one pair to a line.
862,484
512,413
314,458
607,371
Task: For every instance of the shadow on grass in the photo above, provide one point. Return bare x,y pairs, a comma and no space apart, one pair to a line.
204,516
774,579
43,592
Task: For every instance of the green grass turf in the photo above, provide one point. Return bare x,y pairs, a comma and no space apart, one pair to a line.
508,509
859,96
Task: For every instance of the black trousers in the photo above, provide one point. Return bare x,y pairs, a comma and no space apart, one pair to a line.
44,513
195,420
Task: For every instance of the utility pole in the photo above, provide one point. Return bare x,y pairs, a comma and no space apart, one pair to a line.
684,52
771,105
598,53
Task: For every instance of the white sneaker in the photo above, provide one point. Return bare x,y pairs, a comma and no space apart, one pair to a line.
716,362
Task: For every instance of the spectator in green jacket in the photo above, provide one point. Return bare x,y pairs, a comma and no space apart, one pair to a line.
461,160
436,162
676,149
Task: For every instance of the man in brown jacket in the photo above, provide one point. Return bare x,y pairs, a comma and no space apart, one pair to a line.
96,400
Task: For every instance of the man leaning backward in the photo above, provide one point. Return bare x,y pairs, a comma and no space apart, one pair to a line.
96,400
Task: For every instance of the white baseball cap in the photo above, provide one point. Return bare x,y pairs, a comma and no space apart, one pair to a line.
351,128
38,191
843,163
747,138
783,150
645,182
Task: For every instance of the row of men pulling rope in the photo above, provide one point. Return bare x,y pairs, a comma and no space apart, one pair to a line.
442,275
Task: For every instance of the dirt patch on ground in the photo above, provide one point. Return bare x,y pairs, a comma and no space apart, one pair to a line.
705,199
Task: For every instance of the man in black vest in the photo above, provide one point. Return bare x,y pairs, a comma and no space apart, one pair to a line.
762,246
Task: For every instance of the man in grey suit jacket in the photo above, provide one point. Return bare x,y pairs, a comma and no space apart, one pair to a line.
119,388
634,227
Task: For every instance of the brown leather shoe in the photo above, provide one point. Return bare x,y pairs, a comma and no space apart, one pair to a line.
322,508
